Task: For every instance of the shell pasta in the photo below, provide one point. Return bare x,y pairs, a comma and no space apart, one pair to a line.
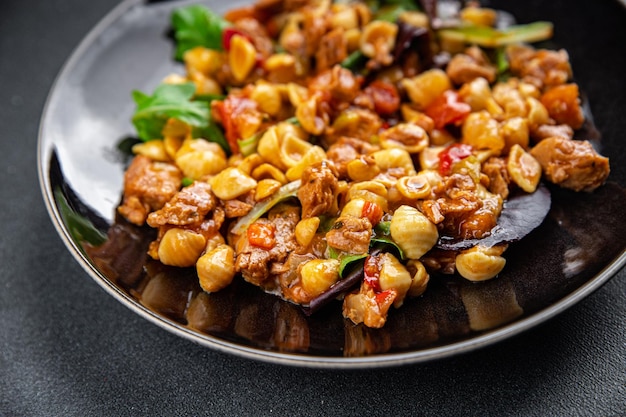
307,141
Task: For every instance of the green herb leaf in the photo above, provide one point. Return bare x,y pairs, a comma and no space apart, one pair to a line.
168,101
355,61
326,223
386,243
349,261
383,228
209,97
196,25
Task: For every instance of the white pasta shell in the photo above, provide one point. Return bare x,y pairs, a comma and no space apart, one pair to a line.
480,263
153,149
180,247
413,232
393,275
318,275
313,155
524,169
231,183
241,57
216,268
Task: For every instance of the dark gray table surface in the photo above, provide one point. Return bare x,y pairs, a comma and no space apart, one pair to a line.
69,349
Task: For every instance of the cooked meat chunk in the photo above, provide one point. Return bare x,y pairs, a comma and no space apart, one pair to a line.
350,234
495,169
256,263
541,67
461,209
355,123
348,149
340,83
148,186
257,33
236,208
314,26
464,68
333,49
547,131
189,206
318,191
253,263
571,164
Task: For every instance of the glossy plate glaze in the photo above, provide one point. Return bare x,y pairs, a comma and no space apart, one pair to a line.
578,247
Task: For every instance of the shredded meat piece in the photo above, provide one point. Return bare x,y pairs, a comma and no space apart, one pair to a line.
288,276
318,191
571,164
236,208
348,149
361,124
255,263
362,307
314,26
464,68
542,67
547,131
187,207
333,49
499,180
340,83
350,234
258,34
460,210
148,186
194,208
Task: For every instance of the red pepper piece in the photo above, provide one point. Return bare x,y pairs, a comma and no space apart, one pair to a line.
448,109
372,211
452,154
230,109
261,235
385,298
371,272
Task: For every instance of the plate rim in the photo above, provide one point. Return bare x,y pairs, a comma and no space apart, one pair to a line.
488,338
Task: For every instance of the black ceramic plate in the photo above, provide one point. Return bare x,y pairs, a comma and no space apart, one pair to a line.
579,246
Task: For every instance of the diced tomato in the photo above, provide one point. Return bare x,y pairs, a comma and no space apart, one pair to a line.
447,109
385,97
230,109
261,235
453,153
371,272
372,211
385,298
